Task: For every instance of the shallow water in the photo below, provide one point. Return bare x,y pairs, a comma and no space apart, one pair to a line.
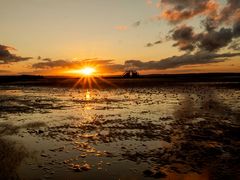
186,132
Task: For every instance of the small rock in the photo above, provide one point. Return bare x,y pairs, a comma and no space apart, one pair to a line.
77,170
44,155
83,155
86,167
159,174
148,173
40,131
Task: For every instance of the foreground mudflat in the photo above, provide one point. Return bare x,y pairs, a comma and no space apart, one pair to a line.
189,131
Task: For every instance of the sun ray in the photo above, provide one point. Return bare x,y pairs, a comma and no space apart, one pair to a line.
107,82
96,83
89,78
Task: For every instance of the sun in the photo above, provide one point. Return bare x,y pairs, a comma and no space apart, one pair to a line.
88,71
89,78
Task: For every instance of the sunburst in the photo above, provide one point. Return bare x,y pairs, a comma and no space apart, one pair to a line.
90,78
88,71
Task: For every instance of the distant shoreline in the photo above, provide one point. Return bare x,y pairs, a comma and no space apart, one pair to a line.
232,79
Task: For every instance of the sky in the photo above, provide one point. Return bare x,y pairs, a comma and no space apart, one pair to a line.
55,37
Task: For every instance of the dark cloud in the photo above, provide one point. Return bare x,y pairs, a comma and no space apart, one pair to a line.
43,59
153,44
184,37
52,64
212,40
183,33
222,25
61,64
210,24
178,61
47,59
236,28
137,23
203,57
7,57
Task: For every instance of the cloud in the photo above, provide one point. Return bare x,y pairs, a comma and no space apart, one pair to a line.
153,44
210,24
185,37
52,64
213,40
236,28
110,66
121,28
149,2
47,59
221,22
178,61
7,57
176,11
107,65
137,23
229,11
229,14
203,57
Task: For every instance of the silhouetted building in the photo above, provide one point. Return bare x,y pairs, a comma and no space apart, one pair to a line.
131,74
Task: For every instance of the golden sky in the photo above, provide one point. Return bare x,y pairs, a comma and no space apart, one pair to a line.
55,37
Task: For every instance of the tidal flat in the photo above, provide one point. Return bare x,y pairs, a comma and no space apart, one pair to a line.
190,131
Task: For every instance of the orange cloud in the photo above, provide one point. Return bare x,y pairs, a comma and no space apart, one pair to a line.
174,15
121,28
176,11
149,2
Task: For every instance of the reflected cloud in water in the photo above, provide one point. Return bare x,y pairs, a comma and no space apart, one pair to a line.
11,156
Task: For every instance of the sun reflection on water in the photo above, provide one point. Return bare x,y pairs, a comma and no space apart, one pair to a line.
88,95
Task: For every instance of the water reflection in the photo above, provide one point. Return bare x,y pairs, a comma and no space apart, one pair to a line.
206,141
11,156
203,139
88,98
181,131
88,95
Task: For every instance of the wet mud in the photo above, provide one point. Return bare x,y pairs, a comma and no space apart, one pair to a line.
185,132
